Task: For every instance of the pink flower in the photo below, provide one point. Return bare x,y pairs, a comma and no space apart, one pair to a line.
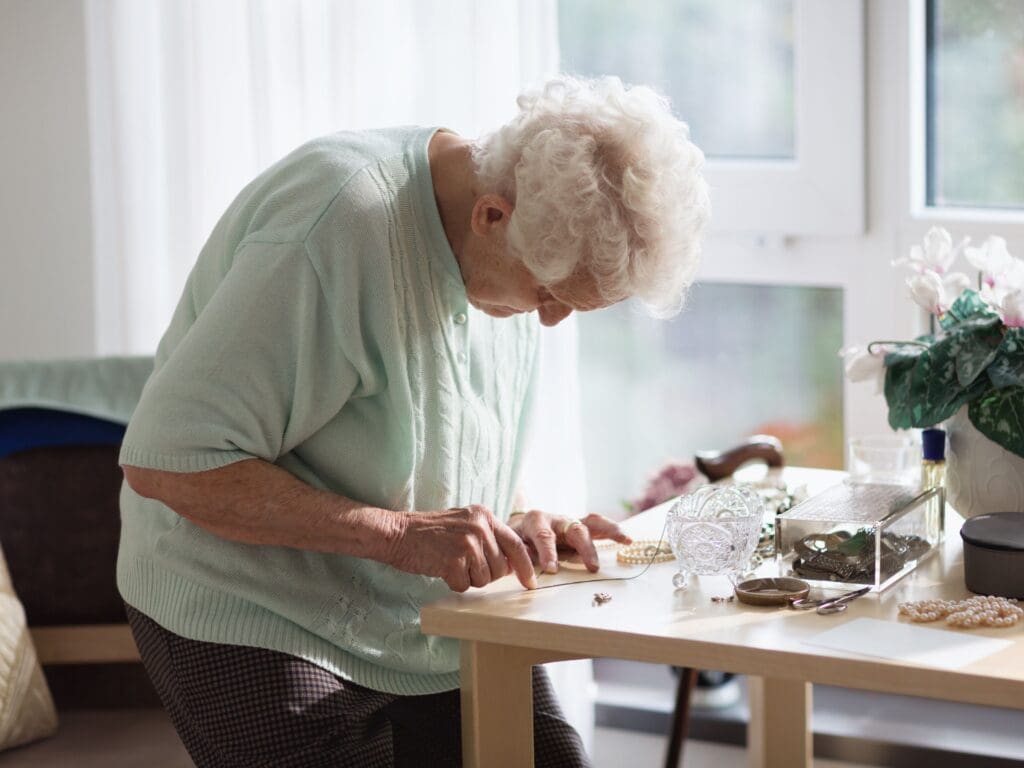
670,481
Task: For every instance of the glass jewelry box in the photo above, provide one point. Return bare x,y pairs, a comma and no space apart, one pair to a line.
853,535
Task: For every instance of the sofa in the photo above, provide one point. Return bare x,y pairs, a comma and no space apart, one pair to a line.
61,425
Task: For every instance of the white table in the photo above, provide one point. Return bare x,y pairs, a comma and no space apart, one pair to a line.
504,630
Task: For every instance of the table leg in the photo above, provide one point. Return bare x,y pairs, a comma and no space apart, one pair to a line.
497,706
779,734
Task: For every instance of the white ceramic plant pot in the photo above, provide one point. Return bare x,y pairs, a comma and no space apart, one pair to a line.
981,477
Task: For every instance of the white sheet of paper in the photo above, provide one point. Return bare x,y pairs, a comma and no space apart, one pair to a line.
943,648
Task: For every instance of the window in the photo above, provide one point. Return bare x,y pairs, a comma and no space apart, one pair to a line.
708,379
975,103
772,90
737,106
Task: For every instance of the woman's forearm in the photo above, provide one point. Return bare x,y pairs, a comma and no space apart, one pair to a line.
256,502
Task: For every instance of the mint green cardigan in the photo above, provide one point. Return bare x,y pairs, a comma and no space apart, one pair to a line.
325,328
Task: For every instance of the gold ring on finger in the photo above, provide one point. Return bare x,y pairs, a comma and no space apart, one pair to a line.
570,525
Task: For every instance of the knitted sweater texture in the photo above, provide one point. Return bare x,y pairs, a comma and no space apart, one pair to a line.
325,328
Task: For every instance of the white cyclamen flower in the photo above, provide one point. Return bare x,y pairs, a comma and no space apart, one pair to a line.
1010,279
936,255
991,258
935,292
861,365
1011,309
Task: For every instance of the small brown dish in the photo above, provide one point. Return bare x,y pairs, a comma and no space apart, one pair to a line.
771,591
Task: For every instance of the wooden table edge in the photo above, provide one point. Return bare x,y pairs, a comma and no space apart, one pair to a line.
881,675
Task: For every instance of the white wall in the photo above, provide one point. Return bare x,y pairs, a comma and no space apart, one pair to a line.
46,305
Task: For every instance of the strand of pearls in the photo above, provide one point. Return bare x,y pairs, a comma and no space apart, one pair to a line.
973,612
644,552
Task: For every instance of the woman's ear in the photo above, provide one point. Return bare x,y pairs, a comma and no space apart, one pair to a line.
490,211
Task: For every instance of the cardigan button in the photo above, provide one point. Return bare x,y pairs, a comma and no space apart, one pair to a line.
460,319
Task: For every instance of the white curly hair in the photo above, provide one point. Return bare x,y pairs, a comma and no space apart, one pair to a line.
604,180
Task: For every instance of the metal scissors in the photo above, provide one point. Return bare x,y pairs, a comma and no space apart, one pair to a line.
829,605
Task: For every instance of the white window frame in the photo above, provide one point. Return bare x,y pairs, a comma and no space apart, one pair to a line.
976,223
768,227
835,217
802,221
821,190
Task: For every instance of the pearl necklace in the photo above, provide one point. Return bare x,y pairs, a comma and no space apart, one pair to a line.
644,552
973,612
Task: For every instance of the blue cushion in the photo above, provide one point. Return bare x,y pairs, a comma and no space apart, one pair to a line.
25,428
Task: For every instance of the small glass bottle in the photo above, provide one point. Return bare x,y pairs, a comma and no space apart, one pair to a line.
933,467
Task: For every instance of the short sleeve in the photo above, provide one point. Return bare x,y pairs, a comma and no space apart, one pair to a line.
261,369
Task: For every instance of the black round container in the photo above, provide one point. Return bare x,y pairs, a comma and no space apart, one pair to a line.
994,554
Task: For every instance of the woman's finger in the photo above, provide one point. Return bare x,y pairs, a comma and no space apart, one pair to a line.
515,550
479,571
458,577
544,540
577,535
601,527
497,563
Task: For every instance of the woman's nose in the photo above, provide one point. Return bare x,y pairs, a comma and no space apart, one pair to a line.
553,314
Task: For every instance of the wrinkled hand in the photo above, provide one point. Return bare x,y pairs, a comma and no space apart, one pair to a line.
465,546
546,534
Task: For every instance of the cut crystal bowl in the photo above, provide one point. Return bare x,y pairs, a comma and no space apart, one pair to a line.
715,530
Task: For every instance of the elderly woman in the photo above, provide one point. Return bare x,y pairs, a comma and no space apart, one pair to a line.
332,432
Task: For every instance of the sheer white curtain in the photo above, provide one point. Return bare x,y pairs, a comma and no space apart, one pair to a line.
190,99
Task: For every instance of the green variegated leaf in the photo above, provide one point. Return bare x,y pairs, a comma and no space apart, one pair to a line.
975,343
999,416
935,391
932,382
974,352
968,395
1007,369
899,366
922,388
968,305
903,356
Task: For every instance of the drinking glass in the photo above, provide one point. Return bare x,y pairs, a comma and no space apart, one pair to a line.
884,460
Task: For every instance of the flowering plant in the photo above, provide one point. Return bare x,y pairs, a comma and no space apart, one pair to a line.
673,479
976,355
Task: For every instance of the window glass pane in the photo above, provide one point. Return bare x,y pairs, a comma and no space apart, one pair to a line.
740,360
726,65
976,103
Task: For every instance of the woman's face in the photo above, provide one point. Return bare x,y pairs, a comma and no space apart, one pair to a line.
498,284
504,287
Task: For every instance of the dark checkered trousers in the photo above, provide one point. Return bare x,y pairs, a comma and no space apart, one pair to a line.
236,706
